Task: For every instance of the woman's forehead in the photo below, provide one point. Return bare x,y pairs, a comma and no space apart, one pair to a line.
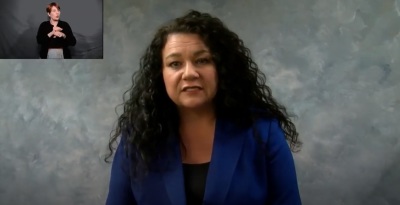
184,41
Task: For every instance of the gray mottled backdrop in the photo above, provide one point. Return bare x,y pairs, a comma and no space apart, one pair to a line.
333,63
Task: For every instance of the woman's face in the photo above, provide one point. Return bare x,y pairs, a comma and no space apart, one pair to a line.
54,13
189,73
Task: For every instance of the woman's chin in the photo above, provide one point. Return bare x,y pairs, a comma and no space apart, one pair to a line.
194,105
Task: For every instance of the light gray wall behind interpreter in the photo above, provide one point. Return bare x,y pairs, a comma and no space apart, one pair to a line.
335,64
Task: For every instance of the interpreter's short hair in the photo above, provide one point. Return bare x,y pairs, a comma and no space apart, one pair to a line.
49,6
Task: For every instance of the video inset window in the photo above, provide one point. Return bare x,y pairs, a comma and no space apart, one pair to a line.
68,29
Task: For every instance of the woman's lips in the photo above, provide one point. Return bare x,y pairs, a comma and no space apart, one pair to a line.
191,88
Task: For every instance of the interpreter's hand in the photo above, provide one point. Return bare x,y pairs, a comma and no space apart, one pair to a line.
59,34
56,28
54,31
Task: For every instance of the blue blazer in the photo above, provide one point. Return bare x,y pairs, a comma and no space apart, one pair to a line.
242,171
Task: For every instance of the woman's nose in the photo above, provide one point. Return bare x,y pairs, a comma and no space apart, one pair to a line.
190,72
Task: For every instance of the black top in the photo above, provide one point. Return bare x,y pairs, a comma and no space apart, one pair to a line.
195,176
58,42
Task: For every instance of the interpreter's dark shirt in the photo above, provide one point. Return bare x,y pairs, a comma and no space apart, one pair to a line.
195,176
59,42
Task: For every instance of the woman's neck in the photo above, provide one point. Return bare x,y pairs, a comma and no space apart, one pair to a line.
196,129
53,22
196,123
196,117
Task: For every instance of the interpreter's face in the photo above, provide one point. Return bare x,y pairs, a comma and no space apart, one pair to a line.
189,72
54,13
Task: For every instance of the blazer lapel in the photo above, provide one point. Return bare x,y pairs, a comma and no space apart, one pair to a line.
173,178
228,143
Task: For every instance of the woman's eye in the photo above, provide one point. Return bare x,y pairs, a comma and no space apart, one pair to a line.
174,64
202,61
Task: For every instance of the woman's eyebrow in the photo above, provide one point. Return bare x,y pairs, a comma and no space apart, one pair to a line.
195,54
173,55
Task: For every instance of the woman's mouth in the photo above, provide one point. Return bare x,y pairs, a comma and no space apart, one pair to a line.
191,88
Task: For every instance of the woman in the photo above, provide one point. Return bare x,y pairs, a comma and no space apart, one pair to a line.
200,125
55,35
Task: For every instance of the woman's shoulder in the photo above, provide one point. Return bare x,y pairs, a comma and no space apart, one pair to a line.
266,122
263,118
268,128
62,23
45,23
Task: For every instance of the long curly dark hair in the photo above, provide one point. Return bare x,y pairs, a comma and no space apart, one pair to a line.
150,117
